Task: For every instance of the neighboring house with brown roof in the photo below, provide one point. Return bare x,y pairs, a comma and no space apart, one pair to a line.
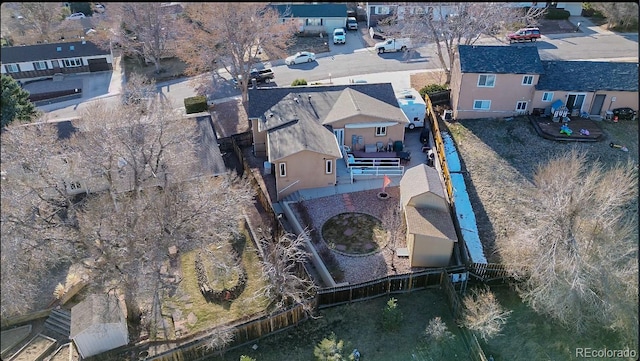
431,233
503,81
42,61
98,324
302,130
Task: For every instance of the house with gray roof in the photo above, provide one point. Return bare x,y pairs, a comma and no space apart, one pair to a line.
314,18
42,61
503,81
302,131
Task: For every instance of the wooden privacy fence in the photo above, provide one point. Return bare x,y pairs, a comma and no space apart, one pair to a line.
489,272
456,307
404,283
242,335
437,138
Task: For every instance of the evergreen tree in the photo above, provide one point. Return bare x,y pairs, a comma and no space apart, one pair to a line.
15,102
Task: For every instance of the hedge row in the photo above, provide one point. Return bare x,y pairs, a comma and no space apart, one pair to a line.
557,14
195,104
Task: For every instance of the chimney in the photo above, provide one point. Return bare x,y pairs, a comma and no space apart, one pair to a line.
83,41
254,83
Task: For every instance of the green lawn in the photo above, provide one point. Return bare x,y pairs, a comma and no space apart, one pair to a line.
359,326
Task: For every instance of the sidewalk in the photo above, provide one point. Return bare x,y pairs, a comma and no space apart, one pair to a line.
587,28
399,79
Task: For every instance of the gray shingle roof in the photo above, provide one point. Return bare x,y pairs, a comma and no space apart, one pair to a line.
352,102
94,310
295,127
312,10
498,59
430,222
40,52
588,76
323,97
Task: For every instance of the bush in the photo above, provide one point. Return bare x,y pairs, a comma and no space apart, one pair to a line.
557,14
299,82
432,88
391,315
195,104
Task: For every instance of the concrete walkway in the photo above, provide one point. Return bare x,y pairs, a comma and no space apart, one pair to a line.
587,28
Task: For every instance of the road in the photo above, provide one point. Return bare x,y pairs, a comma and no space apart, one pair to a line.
354,60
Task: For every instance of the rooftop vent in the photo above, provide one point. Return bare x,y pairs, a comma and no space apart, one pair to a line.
296,100
83,41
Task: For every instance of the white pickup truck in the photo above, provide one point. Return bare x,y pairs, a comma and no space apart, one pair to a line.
402,44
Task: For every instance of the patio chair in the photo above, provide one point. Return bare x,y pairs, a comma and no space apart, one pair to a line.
380,146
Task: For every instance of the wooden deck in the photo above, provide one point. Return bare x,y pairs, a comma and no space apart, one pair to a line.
548,129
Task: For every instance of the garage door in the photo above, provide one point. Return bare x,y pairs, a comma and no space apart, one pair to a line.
99,65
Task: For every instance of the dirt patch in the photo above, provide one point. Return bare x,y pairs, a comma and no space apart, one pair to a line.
420,80
556,26
354,233
171,68
314,44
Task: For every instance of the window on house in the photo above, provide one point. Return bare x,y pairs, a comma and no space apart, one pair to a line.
12,68
381,131
314,22
283,169
328,166
547,97
40,65
72,63
521,107
75,185
482,104
486,80
383,10
527,80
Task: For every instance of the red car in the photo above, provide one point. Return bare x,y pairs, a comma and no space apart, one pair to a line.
524,34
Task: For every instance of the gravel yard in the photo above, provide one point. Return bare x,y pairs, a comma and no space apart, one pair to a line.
365,268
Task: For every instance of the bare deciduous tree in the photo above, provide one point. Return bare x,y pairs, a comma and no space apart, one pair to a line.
140,198
142,29
451,24
42,19
483,314
283,259
581,246
618,14
231,36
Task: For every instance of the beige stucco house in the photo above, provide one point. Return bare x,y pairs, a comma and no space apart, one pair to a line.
503,81
315,17
302,131
431,233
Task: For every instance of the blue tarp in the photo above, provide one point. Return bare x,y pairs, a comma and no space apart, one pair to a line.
467,219
450,152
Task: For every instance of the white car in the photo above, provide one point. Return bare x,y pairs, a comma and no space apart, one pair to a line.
76,16
300,57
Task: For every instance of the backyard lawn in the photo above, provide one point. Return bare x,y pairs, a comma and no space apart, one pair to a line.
359,325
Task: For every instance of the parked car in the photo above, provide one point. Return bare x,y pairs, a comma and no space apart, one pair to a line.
339,36
300,57
625,113
402,44
524,34
76,16
261,76
352,23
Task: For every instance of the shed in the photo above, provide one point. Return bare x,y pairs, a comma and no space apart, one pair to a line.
98,324
431,233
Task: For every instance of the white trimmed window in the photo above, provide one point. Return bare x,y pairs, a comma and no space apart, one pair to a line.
547,96
482,104
328,166
314,22
381,131
527,80
282,168
486,80
72,63
521,106
12,68
383,10
40,65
